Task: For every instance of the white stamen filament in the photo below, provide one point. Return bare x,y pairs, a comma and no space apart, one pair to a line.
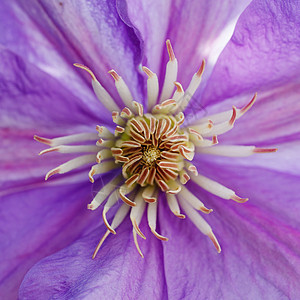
71,165
173,205
171,74
122,88
216,188
235,151
118,219
112,200
152,87
100,91
193,86
104,192
200,223
152,216
186,195
104,167
71,149
69,139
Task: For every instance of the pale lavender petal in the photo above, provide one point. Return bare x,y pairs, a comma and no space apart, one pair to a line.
262,54
32,99
197,30
118,272
259,240
37,223
20,164
54,35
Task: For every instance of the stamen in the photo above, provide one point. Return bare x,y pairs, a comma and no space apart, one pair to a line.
113,198
99,90
173,205
137,213
104,192
200,223
149,194
179,93
122,88
193,86
72,164
71,149
152,215
103,132
235,151
69,139
186,195
118,219
125,190
171,74
152,87
104,167
224,126
215,188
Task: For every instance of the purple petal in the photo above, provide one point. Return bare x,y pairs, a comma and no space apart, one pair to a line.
37,223
118,272
54,35
259,240
20,164
31,99
262,54
197,30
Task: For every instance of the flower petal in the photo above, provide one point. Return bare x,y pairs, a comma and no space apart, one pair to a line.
54,35
265,46
197,30
36,223
118,272
32,99
259,240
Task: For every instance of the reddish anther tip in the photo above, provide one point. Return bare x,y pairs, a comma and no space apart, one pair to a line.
233,117
159,236
42,140
201,69
49,150
148,72
249,105
114,74
86,69
179,215
170,50
264,150
91,174
178,87
51,173
215,140
239,199
215,241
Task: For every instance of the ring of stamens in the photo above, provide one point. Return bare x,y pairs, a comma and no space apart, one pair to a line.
150,150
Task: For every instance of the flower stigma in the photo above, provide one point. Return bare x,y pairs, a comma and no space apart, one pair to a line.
151,150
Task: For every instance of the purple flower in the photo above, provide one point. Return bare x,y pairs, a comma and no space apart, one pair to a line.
48,235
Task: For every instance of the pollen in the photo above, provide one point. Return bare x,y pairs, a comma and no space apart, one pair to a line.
150,155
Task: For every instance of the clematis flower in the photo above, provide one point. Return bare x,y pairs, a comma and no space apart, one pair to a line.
47,223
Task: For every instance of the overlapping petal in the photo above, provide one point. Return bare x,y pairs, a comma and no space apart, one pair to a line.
260,241
118,272
265,45
196,29
36,223
54,35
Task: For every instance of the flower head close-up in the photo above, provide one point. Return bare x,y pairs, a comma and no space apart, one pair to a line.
168,136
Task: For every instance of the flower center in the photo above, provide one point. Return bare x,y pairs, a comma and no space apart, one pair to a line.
150,155
151,147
